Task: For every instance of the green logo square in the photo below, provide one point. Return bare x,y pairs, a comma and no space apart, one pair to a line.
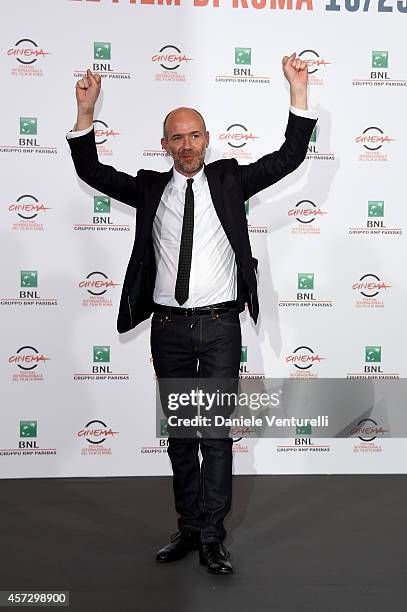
101,204
102,50
28,429
375,208
101,354
246,207
243,354
305,280
373,354
303,430
163,428
380,59
28,126
314,135
28,278
243,55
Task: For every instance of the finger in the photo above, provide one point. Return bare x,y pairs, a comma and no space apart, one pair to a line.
81,84
98,78
303,65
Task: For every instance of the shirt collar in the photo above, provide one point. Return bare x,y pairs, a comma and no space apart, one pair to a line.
180,180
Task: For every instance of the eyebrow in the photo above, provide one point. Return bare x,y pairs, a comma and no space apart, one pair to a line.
193,132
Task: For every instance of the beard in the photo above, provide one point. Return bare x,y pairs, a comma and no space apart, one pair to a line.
192,165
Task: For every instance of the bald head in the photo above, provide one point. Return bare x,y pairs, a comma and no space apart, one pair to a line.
185,139
181,114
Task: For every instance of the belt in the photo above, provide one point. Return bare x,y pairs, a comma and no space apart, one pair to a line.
198,310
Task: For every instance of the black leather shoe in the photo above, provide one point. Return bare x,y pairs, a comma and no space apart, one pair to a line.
180,544
215,556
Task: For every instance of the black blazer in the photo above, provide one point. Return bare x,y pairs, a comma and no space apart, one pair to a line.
229,184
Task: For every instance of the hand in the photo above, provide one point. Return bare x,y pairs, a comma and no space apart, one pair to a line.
87,91
295,70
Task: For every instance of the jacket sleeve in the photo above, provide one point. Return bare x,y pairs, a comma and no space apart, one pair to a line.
272,167
103,178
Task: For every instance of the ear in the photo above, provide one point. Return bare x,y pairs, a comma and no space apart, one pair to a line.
207,139
164,144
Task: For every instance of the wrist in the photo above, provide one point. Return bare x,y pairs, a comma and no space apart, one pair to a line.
298,96
84,118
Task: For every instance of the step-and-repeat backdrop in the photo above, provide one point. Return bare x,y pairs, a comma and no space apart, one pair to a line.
77,398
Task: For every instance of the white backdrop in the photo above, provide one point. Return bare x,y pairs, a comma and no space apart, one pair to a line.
330,239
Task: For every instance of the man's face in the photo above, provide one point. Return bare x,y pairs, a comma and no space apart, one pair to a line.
186,141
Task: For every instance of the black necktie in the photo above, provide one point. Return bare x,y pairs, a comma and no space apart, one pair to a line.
185,250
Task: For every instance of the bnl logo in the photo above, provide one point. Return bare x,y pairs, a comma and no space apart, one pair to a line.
375,211
28,429
303,430
101,354
243,359
373,355
380,60
28,282
28,127
305,286
102,51
101,208
243,57
313,141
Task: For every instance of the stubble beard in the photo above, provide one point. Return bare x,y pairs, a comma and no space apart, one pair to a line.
190,167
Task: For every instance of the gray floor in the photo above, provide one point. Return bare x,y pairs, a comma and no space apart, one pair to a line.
301,543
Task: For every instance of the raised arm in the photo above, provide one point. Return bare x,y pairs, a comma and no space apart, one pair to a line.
272,167
104,178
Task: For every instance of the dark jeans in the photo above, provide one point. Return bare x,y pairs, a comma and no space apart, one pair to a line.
209,347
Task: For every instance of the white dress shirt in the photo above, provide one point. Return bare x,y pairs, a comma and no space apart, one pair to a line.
213,266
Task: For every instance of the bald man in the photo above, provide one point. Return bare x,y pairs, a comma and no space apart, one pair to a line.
192,267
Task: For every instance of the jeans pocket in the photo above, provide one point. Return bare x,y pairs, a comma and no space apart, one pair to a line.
229,319
159,321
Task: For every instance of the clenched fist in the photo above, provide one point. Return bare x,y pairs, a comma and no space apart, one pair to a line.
295,70
87,91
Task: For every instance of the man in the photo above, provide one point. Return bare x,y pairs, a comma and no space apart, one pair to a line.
191,265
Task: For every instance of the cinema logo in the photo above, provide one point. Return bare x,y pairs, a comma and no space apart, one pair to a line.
29,294
243,71
306,215
28,57
28,364
28,141
379,75
97,287
102,64
98,436
244,368
237,141
375,144
101,369
28,211
28,444
375,222
306,297
316,66
370,290
104,137
367,430
373,367
303,443
305,361
172,61
253,229
101,220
